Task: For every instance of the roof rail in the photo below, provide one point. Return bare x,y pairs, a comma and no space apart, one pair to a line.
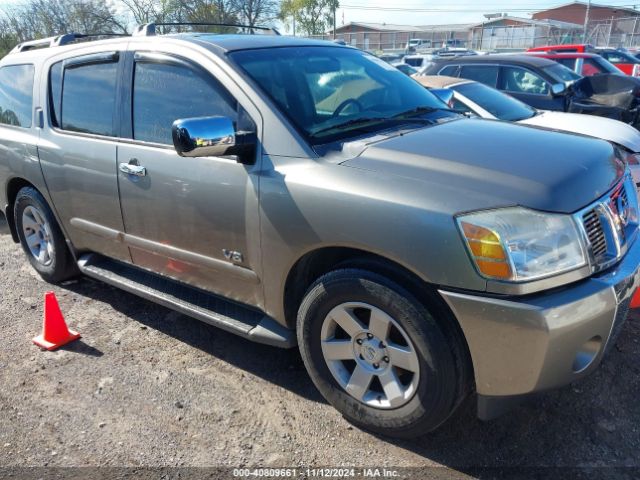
149,29
60,40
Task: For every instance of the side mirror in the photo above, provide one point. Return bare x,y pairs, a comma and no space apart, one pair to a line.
558,89
444,94
212,137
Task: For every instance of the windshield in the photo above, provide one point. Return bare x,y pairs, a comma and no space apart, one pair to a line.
562,74
321,88
498,104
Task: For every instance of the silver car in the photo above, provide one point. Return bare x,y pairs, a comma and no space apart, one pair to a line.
303,193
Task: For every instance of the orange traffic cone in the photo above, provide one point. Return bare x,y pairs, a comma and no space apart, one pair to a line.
54,329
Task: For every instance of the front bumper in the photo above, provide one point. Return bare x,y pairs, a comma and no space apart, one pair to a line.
522,345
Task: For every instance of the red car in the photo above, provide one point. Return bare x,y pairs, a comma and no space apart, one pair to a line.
624,61
585,64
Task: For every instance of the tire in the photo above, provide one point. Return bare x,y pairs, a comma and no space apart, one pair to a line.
41,237
424,383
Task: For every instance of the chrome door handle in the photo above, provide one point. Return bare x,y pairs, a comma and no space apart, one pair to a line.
133,169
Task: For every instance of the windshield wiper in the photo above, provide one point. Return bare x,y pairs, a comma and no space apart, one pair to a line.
422,110
364,120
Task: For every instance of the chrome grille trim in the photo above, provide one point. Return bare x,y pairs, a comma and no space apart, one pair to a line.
610,224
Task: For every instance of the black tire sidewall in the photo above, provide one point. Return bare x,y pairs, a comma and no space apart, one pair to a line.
58,269
436,394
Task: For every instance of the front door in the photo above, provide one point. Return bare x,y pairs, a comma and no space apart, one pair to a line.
192,219
530,88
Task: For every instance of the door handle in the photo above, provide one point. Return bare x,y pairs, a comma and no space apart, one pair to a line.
132,168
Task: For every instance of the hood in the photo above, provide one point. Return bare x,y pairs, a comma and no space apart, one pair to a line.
600,127
473,164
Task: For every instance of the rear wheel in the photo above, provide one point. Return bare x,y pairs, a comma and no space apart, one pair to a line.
41,237
377,354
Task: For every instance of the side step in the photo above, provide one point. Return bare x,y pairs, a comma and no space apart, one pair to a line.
230,316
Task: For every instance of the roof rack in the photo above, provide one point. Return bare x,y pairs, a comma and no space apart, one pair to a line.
60,40
149,29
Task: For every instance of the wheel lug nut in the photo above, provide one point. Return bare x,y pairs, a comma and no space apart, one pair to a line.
369,336
386,359
381,345
359,341
376,365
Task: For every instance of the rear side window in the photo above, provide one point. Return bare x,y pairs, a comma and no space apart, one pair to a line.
88,98
486,74
414,62
16,95
156,104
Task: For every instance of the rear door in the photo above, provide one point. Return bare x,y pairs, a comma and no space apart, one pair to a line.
78,152
192,219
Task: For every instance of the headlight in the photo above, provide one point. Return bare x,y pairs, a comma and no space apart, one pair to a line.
517,244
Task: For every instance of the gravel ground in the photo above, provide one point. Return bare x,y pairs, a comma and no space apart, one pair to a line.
148,387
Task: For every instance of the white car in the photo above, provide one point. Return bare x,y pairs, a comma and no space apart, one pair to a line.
478,99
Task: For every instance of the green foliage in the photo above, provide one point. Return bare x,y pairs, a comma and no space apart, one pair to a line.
312,17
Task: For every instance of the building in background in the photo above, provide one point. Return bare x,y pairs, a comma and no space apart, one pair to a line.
576,12
505,32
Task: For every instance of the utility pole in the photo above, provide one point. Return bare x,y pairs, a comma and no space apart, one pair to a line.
334,19
586,21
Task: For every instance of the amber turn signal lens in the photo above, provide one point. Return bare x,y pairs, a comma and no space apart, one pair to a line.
487,251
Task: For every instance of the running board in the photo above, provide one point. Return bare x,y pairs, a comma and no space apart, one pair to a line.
193,302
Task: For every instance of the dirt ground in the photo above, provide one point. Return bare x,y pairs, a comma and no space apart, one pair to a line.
148,387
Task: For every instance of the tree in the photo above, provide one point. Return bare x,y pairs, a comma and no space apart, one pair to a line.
312,17
257,12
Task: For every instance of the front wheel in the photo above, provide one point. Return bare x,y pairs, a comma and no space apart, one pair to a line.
377,355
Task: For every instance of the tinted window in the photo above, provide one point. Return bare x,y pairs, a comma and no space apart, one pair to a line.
324,90
561,74
480,73
16,95
164,93
599,65
89,98
498,104
414,62
519,80
449,70
619,57
567,62
55,93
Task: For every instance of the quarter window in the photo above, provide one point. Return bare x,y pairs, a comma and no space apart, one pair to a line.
164,93
16,95
519,80
481,73
88,98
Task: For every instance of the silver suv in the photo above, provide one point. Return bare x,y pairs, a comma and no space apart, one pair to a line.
299,192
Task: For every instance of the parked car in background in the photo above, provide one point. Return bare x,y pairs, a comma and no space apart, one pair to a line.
415,44
470,97
423,60
306,194
405,68
547,85
539,82
585,64
623,60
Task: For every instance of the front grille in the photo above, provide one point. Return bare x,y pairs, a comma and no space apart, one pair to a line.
595,232
610,224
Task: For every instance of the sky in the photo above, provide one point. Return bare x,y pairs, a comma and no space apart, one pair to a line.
425,12
415,12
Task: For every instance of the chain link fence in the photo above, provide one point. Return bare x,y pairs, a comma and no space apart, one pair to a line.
621,32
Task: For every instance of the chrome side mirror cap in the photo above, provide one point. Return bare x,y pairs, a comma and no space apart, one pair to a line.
211,137
558,89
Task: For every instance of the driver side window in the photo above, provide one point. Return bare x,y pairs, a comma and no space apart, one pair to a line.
165,92
519,80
